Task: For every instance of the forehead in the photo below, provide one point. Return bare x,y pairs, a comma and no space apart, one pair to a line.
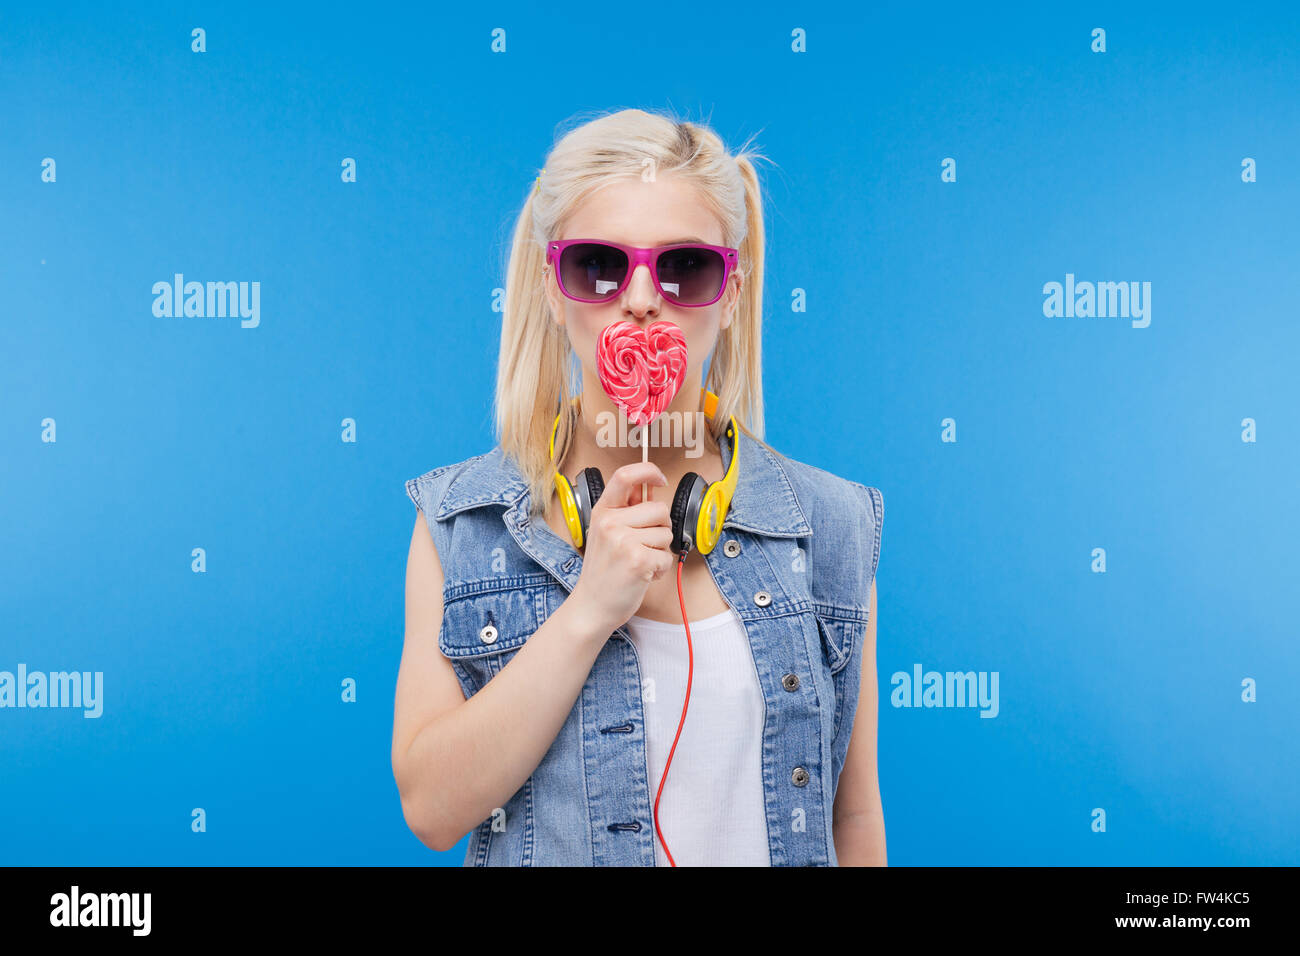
639,213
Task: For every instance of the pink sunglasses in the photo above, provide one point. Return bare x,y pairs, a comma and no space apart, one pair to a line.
686,274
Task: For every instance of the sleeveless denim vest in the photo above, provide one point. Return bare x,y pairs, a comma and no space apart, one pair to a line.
796,560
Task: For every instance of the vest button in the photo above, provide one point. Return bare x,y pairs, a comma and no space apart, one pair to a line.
488,634
790,681
762,599
731,548
800,777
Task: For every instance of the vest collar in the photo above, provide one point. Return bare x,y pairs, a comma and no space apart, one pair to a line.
764,502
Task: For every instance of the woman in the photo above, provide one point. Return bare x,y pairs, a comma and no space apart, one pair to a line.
545,666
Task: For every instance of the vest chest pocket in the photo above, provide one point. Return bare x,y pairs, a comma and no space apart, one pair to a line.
841,633
486,621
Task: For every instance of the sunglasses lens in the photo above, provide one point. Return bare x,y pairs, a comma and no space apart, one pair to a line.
591,271
691,276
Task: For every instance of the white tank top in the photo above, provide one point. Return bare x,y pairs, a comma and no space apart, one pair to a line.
711,812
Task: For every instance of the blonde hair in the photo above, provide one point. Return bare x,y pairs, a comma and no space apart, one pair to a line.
536,367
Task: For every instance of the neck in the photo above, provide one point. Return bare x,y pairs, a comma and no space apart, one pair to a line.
680,438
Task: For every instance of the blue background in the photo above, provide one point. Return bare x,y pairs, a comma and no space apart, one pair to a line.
222,690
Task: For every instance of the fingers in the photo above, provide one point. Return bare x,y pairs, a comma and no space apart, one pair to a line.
624,486
648,525
647,514
655,559
656,538
656,555
615,524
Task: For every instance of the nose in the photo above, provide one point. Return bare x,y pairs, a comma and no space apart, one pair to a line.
641,298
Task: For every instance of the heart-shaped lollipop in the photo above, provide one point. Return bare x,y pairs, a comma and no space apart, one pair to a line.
641,369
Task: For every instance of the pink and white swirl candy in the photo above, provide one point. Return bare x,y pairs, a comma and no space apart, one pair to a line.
641,369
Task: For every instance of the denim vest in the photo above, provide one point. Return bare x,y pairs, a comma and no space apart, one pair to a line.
796,559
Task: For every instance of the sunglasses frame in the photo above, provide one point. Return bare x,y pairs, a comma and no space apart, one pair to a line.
636,257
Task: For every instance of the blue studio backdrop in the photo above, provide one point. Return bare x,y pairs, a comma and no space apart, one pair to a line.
1090,488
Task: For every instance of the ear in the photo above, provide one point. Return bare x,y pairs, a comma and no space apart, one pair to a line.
732,300
553,298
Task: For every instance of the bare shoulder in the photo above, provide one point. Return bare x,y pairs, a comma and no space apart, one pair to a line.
427,686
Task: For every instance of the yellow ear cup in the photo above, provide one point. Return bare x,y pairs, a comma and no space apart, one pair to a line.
568,499
717,499
709,524
569,506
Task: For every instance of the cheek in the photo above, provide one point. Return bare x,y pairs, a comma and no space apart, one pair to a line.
584,331
701,342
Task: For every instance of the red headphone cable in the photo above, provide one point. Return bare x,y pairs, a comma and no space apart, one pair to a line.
690,670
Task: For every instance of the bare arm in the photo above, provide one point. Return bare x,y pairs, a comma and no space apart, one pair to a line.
858,826
456,760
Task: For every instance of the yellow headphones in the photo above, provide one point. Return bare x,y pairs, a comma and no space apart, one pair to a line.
699,507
